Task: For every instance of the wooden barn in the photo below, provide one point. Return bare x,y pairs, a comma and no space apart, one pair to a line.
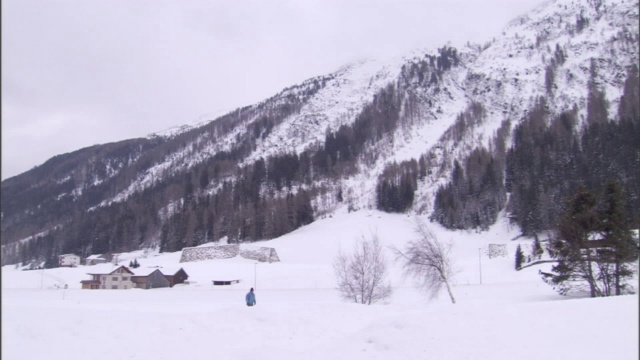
149,279
176,276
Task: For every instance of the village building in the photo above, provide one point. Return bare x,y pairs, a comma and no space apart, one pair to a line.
95,259
142,278
175,275
149,279
119,278
225,282
69,260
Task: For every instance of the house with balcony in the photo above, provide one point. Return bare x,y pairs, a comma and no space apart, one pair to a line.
68,260
120,278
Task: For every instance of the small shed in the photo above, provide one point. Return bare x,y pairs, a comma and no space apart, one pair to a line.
225,282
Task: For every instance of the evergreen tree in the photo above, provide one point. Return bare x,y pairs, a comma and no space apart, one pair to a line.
597,104
622,250
594,246
519,258
536,249
629,107
571,248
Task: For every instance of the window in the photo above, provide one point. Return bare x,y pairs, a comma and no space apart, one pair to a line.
104,278
115,278
124,278
114,286
125,286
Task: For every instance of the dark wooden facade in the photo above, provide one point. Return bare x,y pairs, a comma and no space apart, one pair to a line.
178,278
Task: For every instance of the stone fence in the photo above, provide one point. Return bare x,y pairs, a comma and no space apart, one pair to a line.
261,254
496,250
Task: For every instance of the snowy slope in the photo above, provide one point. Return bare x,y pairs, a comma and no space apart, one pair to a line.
506,76
338,103
299,314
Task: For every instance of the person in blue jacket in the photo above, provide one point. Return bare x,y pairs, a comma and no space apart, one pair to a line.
250,298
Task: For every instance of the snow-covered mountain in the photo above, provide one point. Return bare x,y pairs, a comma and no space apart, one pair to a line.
325,143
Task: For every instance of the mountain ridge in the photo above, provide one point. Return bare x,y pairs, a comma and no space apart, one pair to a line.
347,127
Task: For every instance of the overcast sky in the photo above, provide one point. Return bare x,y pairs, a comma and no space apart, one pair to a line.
77,73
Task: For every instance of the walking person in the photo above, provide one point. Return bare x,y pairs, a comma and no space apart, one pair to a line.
250,298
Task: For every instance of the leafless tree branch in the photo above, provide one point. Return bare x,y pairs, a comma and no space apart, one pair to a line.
362,277
427,260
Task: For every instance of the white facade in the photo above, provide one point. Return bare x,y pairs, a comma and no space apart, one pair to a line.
69,260
118,279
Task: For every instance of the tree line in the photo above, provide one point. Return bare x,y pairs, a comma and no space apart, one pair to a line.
550,157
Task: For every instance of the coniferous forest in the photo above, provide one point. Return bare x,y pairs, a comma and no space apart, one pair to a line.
529,170
550,158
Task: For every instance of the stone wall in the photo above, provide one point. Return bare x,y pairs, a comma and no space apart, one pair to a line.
497,250
262,254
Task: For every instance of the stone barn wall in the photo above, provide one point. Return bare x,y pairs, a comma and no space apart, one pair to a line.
262,254
497,250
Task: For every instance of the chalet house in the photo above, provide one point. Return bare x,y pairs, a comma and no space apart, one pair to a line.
95,259
119,278
125,278
595,241
149,279
70,260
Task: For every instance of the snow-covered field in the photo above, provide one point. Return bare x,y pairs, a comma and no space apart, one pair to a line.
299,314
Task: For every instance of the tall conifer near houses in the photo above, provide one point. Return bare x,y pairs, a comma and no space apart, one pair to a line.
519,257
622,250
570,247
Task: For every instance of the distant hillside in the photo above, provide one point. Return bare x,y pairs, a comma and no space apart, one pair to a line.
460,134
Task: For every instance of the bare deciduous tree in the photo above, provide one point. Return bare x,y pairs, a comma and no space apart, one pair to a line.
362,276
427,260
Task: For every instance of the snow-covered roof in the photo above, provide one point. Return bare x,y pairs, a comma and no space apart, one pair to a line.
145,271
114,270
170,269
167,270
95,257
